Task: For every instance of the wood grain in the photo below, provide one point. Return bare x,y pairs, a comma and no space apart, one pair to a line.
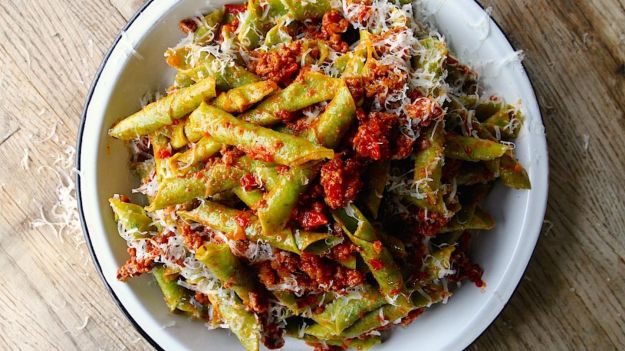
571,297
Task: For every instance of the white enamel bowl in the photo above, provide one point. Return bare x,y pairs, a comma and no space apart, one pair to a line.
123,79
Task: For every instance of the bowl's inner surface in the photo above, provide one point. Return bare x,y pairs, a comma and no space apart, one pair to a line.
502,252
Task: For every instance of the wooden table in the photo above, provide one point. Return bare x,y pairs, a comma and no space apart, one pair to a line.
571,297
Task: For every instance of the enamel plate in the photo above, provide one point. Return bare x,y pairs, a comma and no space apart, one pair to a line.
135,65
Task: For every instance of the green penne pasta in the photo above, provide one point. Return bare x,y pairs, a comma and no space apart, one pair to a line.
241,98
262,142
375,181
173,191
380,317
183,162
305,238
133,218
353,63
290,301
280,201
473,149
250,28
507,122
177,138
226,76
345,311
163,112
360,344
207,182
308,90
207,29
431,62
227,268
172,292
393,244
470,200
391,313
297,306
279,33
250,198
506,167
242,323
472,173
484,109
305,10
322,247
334,122
512,174
183,80
162,148
376,256
480,220
427,172
438,264
224,219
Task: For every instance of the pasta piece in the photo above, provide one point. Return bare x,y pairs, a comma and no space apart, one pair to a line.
380,317
133,218
227,76
227,268
512,173
334,122
280,201
473,149
375,182
165,111
427,172
263,143
239,99
238,225
183,162
172,292
376,256
307,90
344,311
207,182
242,322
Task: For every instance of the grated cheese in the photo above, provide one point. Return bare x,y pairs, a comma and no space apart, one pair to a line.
84,324
129,46
24,162
62,217
586,140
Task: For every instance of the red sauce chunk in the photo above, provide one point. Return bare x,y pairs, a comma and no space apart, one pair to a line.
310,214
430,223
309,273
248,182
243,219
341,180
312,220
163,153
465,269
235,8
187,25
372,138
376,264
278,65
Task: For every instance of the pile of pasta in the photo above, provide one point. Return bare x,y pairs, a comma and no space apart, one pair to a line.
315,170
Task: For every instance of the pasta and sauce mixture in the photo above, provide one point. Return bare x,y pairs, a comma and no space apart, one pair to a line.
316,170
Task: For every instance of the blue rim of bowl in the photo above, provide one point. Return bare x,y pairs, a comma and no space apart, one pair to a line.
83,223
